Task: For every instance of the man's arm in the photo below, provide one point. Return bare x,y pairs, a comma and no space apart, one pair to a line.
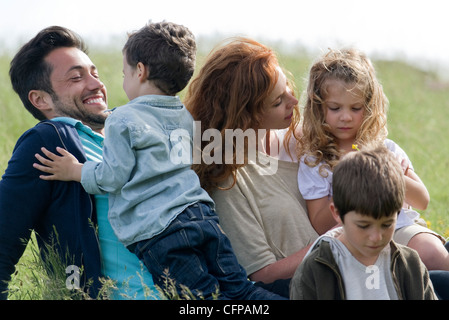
23,199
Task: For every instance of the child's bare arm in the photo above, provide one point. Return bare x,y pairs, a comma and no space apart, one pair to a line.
320,215
65,167
416,193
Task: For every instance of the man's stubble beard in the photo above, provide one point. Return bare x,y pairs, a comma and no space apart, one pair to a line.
93,120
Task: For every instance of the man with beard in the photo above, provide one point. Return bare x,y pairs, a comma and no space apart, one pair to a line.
60,86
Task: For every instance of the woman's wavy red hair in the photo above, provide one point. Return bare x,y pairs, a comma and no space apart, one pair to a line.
229,93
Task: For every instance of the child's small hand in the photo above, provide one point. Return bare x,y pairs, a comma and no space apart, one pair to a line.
65,167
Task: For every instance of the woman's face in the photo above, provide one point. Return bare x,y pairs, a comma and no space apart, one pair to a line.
279,105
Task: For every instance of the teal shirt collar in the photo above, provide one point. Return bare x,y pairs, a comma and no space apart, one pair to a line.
81,127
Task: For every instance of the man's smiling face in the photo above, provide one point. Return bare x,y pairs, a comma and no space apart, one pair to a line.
78,91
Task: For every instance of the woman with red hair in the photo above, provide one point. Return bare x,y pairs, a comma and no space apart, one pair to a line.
242,90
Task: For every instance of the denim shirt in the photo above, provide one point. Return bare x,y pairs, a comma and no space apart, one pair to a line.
146,167
118,263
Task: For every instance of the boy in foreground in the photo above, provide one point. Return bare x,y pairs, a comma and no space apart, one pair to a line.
360,260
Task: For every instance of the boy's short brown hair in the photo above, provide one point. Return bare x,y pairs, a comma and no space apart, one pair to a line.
168,50
369,182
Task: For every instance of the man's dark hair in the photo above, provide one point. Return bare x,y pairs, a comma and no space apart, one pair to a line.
168,50
29,70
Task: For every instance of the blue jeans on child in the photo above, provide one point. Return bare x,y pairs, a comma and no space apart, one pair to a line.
195,252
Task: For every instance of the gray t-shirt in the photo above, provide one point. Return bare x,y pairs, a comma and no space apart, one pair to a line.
263,214
364,282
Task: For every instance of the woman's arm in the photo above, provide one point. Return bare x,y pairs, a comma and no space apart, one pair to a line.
269,231
282,269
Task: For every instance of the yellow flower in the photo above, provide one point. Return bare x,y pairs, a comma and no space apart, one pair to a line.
355,147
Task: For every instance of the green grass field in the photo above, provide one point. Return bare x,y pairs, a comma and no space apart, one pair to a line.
417,121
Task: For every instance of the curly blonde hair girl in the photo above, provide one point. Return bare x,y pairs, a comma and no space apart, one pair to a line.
354,68
229,92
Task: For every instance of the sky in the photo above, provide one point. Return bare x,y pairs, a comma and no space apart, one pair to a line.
409,29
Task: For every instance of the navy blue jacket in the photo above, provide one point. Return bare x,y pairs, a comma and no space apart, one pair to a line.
30,203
